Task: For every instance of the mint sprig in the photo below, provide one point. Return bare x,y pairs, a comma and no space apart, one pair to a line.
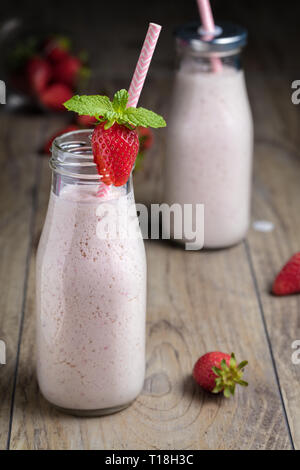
103,109
92,105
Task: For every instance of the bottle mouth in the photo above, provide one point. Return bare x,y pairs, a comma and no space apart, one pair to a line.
72,156
227,39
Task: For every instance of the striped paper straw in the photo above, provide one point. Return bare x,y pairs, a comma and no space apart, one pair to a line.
208,24
143,64
102,190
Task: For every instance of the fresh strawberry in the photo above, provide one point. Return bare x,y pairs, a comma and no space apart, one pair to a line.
115,141
219,372
115,150
57,48
86,121
146,138
288,280
67,71
38,73
55,95
48,144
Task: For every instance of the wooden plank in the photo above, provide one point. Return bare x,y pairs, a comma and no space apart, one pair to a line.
18,163
197,302
277,199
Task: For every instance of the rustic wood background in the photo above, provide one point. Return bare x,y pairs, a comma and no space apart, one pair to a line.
197,301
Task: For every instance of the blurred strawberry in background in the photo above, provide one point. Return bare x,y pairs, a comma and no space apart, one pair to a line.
47,70
85,121
53,96
57,48
67,71
38,74
146,138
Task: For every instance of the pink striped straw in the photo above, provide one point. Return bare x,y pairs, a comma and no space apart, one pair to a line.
138,78
143,64
102,189
208,24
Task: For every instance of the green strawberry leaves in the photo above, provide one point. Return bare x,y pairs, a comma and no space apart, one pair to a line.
114,111
229,376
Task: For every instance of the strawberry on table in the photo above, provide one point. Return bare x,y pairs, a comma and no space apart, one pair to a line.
38,73
115,141
288,280
219,372
55,95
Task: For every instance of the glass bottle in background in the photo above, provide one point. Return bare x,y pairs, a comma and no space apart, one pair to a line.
91,289
210,133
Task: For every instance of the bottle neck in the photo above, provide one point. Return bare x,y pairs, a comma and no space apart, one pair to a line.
195,61
72,163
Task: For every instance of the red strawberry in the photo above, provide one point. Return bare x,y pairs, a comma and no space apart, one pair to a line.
86,121
48,144
67,70
217,372
39,74
56,49
55,95
146,138
115,151
288,280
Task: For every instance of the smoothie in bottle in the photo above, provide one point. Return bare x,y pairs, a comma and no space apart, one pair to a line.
91,265
210,135
91,290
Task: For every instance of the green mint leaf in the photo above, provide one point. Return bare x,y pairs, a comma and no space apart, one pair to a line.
104,110
109,124
120,101
143,117
91,105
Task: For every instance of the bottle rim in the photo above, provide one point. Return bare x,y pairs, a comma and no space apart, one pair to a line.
227,39
72,156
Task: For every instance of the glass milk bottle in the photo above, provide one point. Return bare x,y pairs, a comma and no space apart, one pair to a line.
210,133
91,288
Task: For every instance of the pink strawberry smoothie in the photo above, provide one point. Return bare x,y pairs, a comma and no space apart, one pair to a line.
209,151
91,305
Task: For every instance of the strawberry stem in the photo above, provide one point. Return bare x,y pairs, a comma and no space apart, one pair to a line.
228,376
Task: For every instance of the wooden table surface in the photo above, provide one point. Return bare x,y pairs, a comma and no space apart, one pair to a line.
197,301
